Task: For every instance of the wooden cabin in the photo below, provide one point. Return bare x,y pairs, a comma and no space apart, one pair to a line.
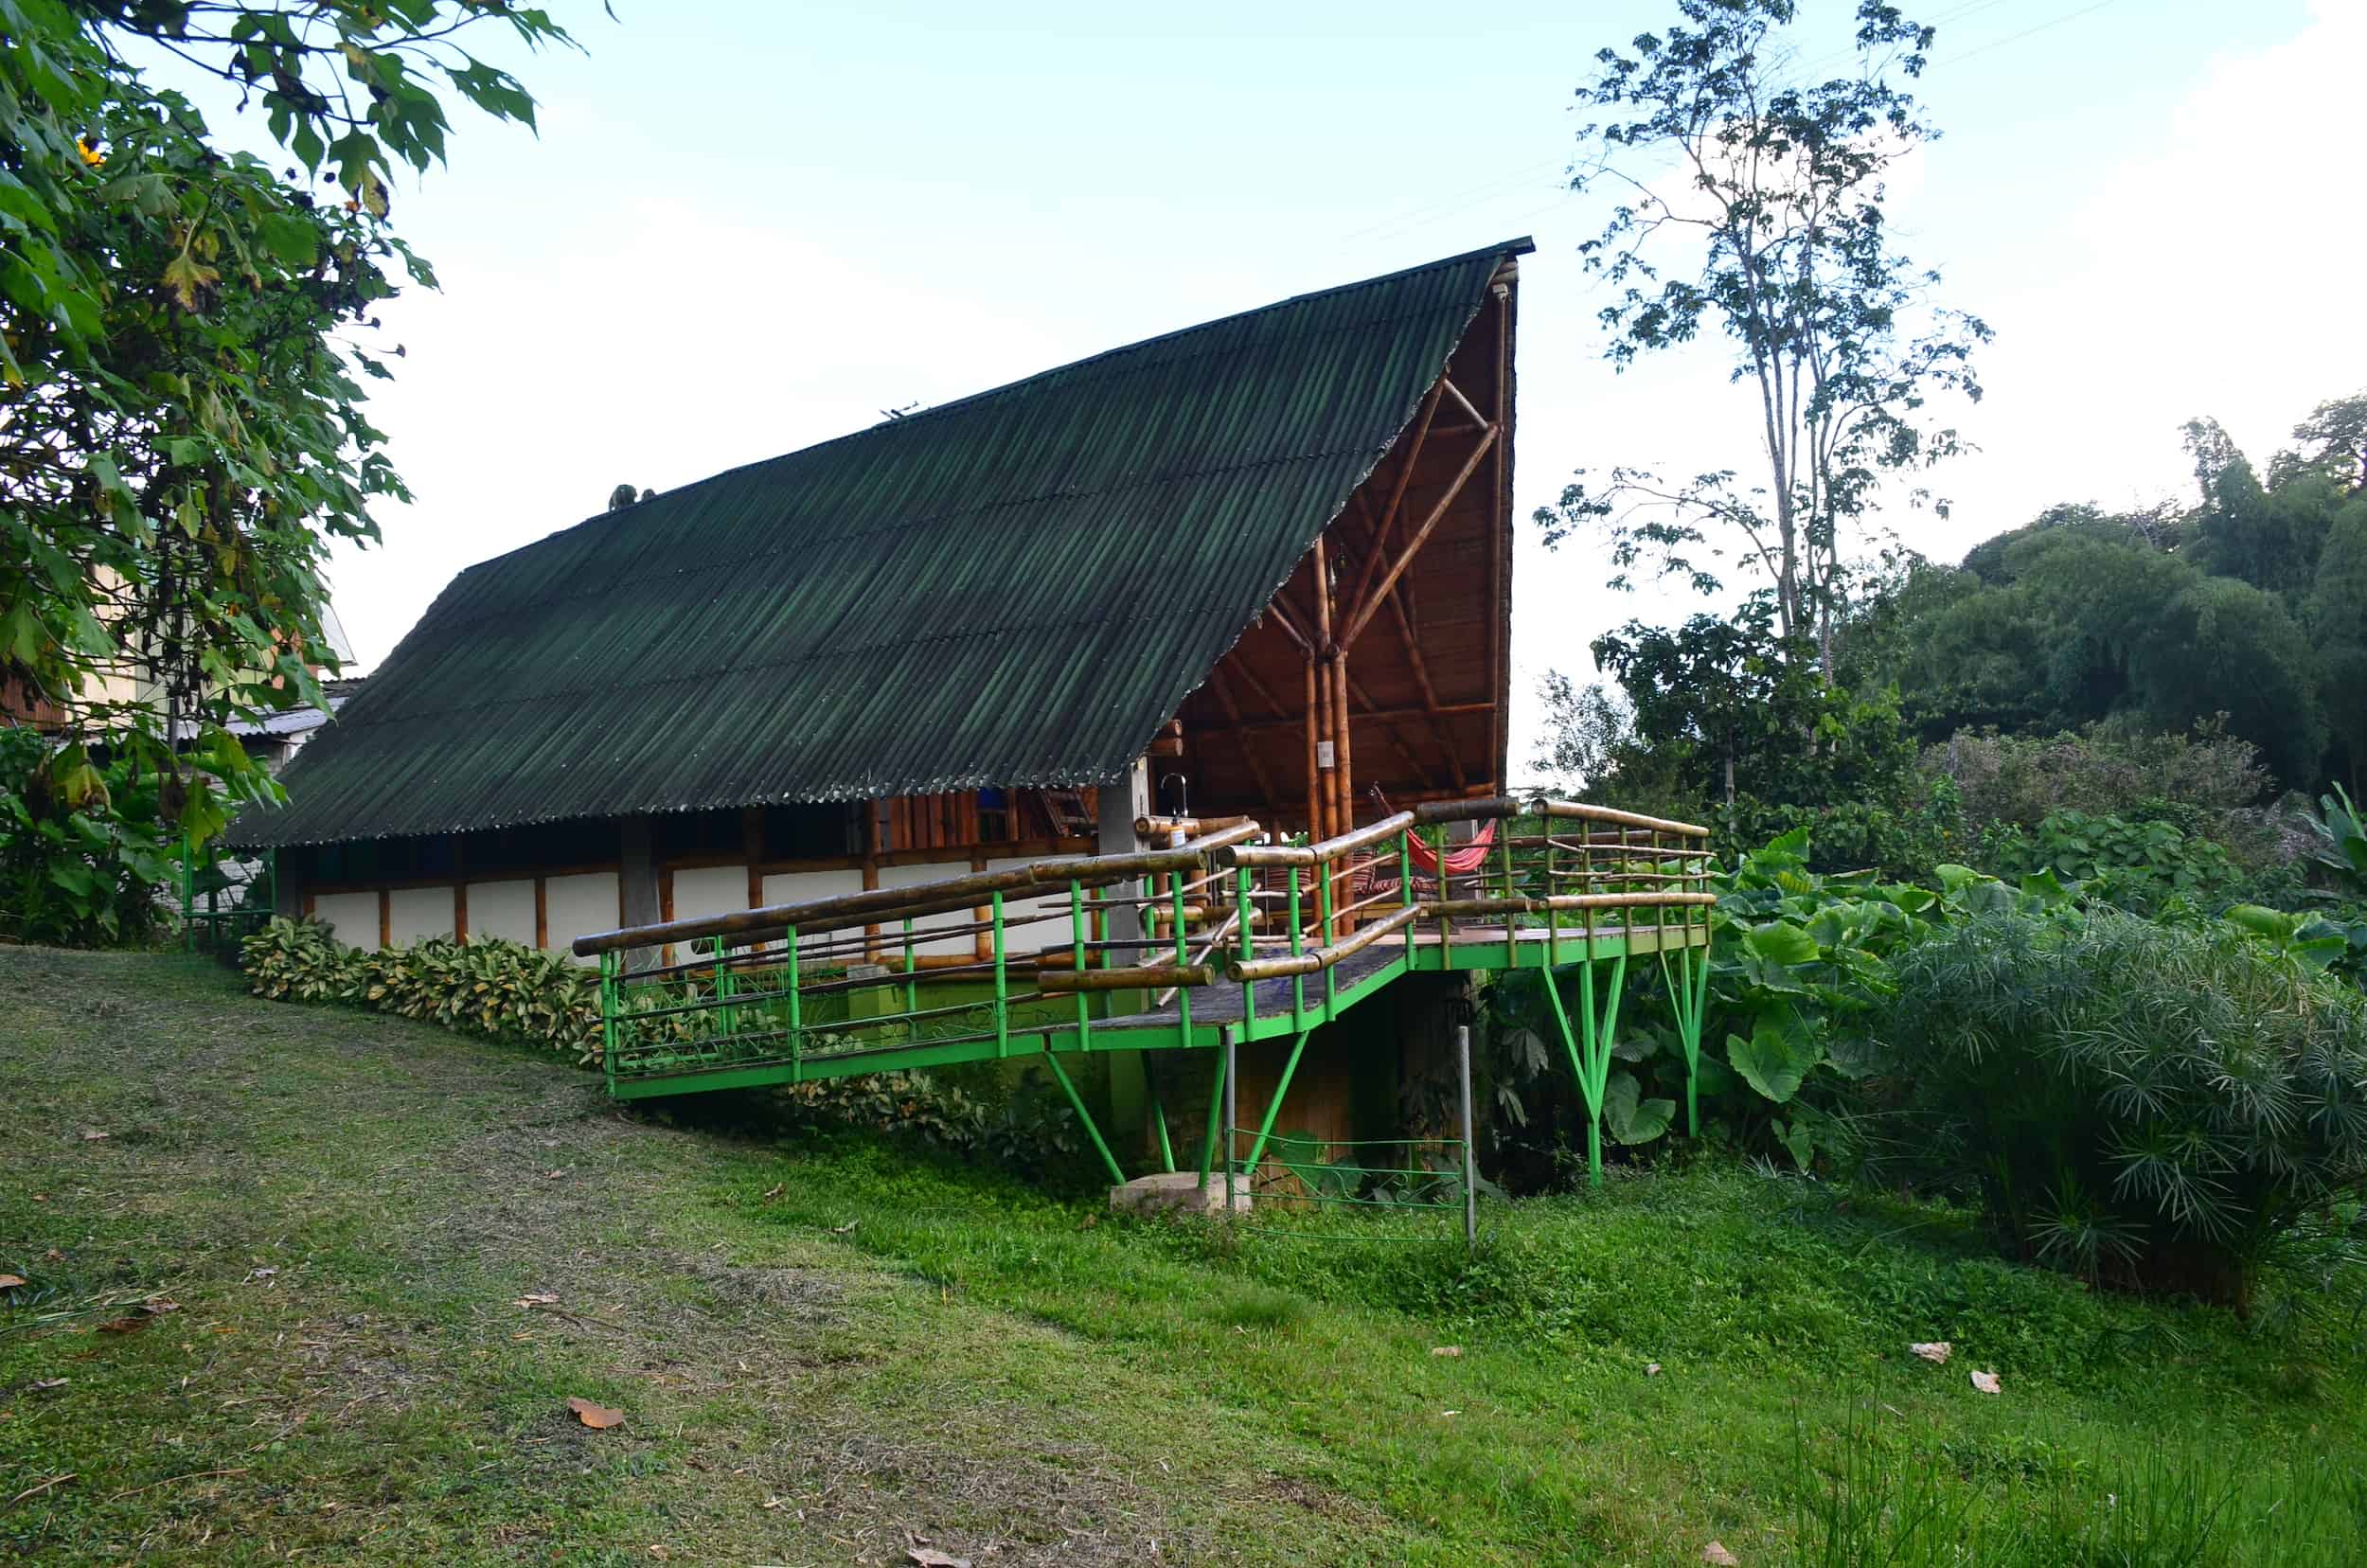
1260,566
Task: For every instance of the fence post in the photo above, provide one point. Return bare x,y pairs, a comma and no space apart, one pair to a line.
1231,1083
1470,1160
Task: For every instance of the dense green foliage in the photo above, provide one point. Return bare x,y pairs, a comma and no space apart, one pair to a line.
488,986
2130,1100
183,334
77,874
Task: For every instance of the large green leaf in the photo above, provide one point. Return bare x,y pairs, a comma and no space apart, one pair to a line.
1779,943
1630,1118
1775,1059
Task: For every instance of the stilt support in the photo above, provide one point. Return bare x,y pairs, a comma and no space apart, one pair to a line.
1590,1048
1687,976
1076,1101
1273,1107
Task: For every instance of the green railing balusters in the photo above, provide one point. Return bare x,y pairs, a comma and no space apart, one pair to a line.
1244,905
1002,986
608,1019
1216,1114
1512,918
1322,910
797,1010
1183,954
1298,946
1078,923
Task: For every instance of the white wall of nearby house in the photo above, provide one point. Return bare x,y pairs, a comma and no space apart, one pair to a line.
353,916
578,906
415,912
504,909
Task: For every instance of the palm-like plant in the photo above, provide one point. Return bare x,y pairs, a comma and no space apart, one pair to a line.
2151,1104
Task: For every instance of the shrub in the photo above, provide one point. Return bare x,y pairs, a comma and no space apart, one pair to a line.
2020,780
1031,1132
2136,865
2148,1105
488,986
82,845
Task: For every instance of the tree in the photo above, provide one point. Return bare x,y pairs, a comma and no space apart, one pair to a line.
1585,729
1781,190
2337,618
2334,444
182,431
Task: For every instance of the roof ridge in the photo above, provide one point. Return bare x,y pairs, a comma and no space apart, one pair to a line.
1518,246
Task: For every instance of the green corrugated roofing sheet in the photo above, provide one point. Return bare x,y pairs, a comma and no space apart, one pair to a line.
1015,589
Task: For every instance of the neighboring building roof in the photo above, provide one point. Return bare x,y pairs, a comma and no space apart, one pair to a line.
1014,589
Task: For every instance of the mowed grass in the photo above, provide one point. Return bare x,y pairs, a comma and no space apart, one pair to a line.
836,1353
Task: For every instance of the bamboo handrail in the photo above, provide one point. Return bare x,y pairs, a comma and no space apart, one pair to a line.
879,905
1249,971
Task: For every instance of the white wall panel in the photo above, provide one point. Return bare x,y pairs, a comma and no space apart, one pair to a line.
580,905
891,932
1052,901
415,912
352,916
711,890
502,909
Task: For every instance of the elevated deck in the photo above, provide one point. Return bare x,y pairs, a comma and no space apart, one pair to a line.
1254,941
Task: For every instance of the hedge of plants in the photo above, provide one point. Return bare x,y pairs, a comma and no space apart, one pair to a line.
491,986
488,985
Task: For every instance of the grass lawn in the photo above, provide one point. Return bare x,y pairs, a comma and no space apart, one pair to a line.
323,1290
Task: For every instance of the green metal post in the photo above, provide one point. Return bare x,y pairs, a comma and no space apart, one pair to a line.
912,967
1273,1107
796,1013
1584,1056
1077,926
1183,956
1159,1120
1077,1103
1003,992
1512,918
1215,1112
1243,905
1552,916
1323,909
1445,923
1688,996
1298,945
608,1019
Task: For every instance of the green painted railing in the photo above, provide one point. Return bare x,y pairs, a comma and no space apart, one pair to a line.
1230,931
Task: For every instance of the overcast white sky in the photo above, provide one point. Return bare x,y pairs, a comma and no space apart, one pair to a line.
747,228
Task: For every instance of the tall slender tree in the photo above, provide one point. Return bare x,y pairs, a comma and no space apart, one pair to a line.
1754,207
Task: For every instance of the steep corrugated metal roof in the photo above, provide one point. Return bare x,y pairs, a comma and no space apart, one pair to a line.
1014,589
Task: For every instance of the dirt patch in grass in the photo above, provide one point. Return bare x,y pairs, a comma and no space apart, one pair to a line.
396,1253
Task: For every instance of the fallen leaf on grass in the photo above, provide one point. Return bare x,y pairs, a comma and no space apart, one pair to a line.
94,1135
774,1190
1936,1351
53,1256
1450,1351
537,1301
1985,1382
48,1385
1715,1553
845,1229
10,1282
595,1416
929,1556
1652,1369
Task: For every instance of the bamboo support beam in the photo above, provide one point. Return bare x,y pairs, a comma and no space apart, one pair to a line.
1363,613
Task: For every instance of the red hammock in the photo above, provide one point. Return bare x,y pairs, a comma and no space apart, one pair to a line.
1462,860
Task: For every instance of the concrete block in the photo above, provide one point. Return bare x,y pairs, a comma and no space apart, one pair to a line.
1180,1190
